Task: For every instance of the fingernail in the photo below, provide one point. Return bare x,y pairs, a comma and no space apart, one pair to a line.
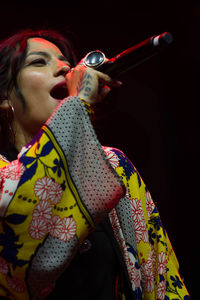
118,82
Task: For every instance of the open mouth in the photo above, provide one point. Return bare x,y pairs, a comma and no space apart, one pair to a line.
59,91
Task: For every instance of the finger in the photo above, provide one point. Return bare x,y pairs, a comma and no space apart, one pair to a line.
105,79
105,91
116,83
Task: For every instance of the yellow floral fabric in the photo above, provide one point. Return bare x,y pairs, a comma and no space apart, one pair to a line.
45,203
152,265
40,208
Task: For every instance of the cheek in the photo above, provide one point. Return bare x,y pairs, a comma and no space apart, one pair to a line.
34,81
34,87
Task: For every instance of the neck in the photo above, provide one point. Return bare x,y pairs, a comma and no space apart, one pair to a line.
22,137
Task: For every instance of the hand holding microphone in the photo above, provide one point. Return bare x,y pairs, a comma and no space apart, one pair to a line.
129,58
94,76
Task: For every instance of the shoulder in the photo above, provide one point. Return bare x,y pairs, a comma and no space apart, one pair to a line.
117,157
118,160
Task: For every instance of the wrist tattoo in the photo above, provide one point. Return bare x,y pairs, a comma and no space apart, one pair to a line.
84,85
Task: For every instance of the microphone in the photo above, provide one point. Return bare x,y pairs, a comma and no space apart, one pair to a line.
130,58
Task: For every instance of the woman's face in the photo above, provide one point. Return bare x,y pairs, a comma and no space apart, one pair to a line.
42,84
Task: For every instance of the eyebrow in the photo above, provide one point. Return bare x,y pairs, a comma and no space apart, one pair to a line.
47,55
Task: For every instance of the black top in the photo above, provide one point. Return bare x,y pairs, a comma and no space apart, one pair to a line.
92,273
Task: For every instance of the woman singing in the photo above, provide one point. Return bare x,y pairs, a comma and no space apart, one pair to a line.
76,219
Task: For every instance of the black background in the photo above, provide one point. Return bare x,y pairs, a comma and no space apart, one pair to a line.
154,116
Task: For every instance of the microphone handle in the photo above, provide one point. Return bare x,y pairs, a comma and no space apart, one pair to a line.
135,55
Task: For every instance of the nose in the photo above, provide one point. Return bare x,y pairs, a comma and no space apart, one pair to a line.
62,69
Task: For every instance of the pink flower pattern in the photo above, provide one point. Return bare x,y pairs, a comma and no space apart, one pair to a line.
161,290
16,284
55,193
55,226
135,277
139,221
140,231
147,275
3,266
113,158
134,272
50,193
38,228
13,171
149,204
42,220
68,230
114,221
137,210
42,188
43,211
161,263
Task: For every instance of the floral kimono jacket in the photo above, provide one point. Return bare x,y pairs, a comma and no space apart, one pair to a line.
62,185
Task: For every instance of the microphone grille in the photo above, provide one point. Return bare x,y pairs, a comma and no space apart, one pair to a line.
163,39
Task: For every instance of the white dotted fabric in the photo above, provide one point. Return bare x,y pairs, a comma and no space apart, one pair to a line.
52,258
99,186
123,210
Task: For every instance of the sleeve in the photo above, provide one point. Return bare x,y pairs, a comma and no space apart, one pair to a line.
51,197
68,143
158,268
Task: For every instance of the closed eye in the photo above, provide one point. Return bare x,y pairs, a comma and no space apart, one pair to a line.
38,62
